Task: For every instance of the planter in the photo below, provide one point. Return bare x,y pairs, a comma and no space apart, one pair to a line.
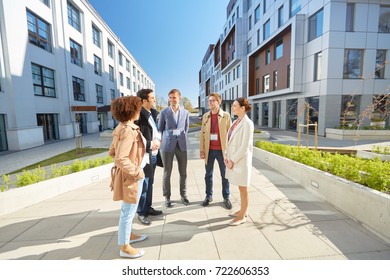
261,135
349,134
368,206
18,198
372,155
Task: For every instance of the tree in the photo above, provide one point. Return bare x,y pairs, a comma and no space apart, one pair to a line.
187,104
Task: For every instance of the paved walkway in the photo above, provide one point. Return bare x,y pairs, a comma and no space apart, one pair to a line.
285,222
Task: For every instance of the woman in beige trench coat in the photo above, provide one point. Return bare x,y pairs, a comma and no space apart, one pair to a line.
238,158
128,150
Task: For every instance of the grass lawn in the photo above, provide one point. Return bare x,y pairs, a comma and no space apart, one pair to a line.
70,155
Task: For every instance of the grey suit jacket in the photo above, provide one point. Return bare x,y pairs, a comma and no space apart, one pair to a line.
167,125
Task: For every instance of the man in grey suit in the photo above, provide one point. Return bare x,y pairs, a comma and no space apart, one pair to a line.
174,123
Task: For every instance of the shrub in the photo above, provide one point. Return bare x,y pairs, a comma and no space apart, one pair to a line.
30,177
371,173
40,174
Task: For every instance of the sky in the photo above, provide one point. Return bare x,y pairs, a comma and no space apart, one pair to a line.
168,38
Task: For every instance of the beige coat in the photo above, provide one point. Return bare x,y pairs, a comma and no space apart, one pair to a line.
224,123
239,149
127,149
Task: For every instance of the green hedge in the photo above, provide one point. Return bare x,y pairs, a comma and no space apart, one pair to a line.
371,173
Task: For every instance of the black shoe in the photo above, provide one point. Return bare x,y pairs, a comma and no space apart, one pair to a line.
168,202
144,220
206,201
154,212
227,203
185,201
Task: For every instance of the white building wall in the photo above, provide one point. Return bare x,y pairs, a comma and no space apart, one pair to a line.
17,100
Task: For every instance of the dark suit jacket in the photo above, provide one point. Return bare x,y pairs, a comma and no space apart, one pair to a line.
147,132
167,124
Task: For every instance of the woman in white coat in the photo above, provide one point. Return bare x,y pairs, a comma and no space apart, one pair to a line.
238,160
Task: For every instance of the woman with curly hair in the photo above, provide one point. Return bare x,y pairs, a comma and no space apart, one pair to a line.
127,150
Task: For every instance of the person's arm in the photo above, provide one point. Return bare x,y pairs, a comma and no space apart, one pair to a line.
122,159
201,138
243,149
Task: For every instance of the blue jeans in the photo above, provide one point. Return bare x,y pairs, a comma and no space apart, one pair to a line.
216,155
145,201
126,218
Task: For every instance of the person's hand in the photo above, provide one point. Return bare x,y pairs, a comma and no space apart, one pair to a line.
201,154
155,144
230,164
226,161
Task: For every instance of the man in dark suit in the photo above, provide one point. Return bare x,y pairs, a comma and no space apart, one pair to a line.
174,123
148,126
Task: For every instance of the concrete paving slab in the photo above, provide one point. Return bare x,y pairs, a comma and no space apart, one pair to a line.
27,250
189,245
55,227
10,228
243,243
78,248
347,237
40,210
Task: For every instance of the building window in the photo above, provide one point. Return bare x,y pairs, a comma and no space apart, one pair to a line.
381,109
249,4
264,6
38,32
78,89
43,80
268,57
121,79
99,93
266,83
96,35
74,17
110,49
266,29
134,70
257,14
120,58
350,19
257,62
134,87
112,93
249,45
317,66
295,6
349,110
128,83
353,64
238,71
257,86
288,75
384,19
278,49
280,16
97,65
250,22
76,53
46,2
316,25
111,73
258,36
380,64
127,65
275,80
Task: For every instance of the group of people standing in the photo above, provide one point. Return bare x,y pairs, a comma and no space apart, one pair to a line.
145,139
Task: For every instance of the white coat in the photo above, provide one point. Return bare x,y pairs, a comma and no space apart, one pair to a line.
239,149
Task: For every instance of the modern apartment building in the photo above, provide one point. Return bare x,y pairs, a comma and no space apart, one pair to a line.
60,67
310,61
